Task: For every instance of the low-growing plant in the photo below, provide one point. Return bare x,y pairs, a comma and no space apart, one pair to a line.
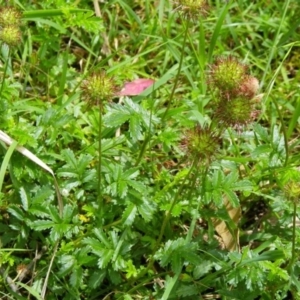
147,152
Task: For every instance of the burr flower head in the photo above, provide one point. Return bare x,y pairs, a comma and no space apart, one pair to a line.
227,74
193,8
290,180
10,16
98,87
235,112
201,143
10,35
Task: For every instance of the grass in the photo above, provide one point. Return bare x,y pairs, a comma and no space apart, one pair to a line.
162,195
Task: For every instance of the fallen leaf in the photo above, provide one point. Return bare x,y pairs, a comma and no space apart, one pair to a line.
230,239
135,87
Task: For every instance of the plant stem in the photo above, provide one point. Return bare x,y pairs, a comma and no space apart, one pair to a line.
175,278
143,150
5,70
169,212
178,71
193,223
99,187
284,132
147,138
291,263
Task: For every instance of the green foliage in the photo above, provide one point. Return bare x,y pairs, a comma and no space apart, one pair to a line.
139,119
140,207
76,174
220,184
176,253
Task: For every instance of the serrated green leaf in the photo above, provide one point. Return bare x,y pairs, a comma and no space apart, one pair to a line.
42,194
146,210
105,257
69,156
102,237
93,243
17,212
54,213
176,261
129,214
42,224
177,209
24,198
275,272
260,150
122,188
67,263
138,186
68,213
131,270
96,278
242,185
202,269
114,276
83,256
119,263
231,178
135,128
262,132
86,20
217,197
164,255
189,254
111,143
187,290
114,236
116,116
113,189
63,229
232,198
131,173
218,178
76,277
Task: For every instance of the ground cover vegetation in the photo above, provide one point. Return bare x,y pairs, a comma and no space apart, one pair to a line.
149,149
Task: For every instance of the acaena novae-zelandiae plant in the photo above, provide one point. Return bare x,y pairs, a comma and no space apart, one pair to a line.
235,90
188,11
289,181
10,16
98,89
233,105
10,37
10,21
192,8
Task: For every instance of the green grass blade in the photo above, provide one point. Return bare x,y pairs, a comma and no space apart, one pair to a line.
63,77
31,290
33,14
5,162
294,121
275,43
217,31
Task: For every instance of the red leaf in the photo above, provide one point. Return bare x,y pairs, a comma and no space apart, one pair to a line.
135,87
